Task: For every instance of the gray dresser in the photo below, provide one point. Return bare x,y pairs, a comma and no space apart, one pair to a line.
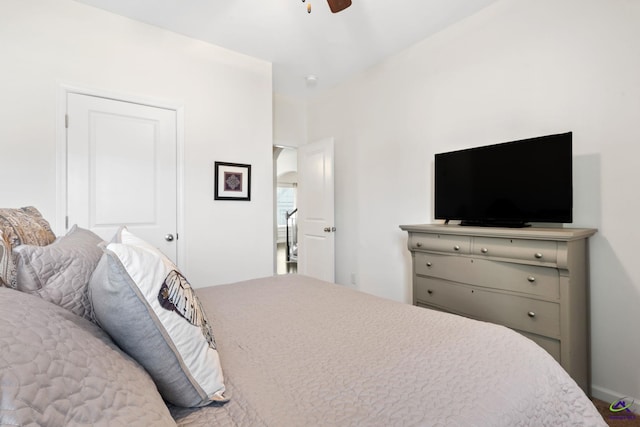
533,280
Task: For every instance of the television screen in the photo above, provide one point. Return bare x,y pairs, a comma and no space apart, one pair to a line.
508,184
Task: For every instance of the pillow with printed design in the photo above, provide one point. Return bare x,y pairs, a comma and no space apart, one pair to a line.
151,311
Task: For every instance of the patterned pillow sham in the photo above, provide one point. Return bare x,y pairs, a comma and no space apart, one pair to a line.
60,272
150,310
7,266
22,226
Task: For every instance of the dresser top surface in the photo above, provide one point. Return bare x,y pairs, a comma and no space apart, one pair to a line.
535,233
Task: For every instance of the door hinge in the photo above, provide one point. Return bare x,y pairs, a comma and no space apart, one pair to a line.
66,222
66,121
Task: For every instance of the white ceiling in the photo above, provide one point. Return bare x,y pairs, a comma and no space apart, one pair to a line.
332,47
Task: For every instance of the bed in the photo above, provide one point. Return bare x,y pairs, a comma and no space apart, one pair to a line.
291,351
303,352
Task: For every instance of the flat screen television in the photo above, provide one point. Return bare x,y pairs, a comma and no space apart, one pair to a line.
507,185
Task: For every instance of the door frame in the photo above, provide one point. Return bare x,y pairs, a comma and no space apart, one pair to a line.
64,89
277,149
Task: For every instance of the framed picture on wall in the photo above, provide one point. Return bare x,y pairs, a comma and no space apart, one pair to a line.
232,181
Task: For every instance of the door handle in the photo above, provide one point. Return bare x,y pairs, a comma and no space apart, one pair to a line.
168,237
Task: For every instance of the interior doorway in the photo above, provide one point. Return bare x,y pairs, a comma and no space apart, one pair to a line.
286,195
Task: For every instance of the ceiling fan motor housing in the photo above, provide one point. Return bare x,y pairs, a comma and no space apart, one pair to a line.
338,5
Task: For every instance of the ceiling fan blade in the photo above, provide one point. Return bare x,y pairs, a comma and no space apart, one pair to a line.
338,5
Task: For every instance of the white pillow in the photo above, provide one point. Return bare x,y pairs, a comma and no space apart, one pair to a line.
148,307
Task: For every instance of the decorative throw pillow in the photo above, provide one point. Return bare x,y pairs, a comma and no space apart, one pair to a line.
23,226
7,266
57,369
60,272
148,307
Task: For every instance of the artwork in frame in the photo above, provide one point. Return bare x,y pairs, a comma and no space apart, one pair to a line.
232,181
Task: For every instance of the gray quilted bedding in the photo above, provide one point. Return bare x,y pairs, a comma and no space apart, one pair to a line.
58,369
300,352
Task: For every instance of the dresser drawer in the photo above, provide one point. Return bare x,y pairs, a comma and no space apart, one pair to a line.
442,266
529,279
445,295
551,345
526,314
517,249
440,243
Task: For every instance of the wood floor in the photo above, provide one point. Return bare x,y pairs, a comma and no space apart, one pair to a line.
284,267
616,419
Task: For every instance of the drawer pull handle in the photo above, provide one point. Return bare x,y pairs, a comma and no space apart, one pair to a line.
538,255
531,314
456,248
484,250
429,291
429,264
419,244
531,279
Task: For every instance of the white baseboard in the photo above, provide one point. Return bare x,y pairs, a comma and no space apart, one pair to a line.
611,396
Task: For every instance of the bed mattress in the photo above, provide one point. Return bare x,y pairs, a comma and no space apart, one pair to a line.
302,352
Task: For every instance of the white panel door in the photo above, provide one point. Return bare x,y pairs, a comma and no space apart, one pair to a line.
316,230
122,169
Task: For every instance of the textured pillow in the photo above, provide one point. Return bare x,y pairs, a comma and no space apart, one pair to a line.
147,306
60,272
7,266
23,226
57,369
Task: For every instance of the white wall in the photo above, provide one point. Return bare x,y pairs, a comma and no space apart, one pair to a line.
288,166
517,69
45,43
289,121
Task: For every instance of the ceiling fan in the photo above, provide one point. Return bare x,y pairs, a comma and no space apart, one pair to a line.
335,5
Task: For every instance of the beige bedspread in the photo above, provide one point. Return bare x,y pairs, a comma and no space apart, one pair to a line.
301,352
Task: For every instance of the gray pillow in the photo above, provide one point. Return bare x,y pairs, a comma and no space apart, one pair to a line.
60,272
57,369
150,310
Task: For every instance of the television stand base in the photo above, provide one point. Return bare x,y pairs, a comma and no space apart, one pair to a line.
505,224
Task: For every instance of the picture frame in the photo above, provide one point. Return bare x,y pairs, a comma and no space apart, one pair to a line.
232,181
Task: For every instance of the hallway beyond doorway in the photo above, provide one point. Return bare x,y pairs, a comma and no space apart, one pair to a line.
284,267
